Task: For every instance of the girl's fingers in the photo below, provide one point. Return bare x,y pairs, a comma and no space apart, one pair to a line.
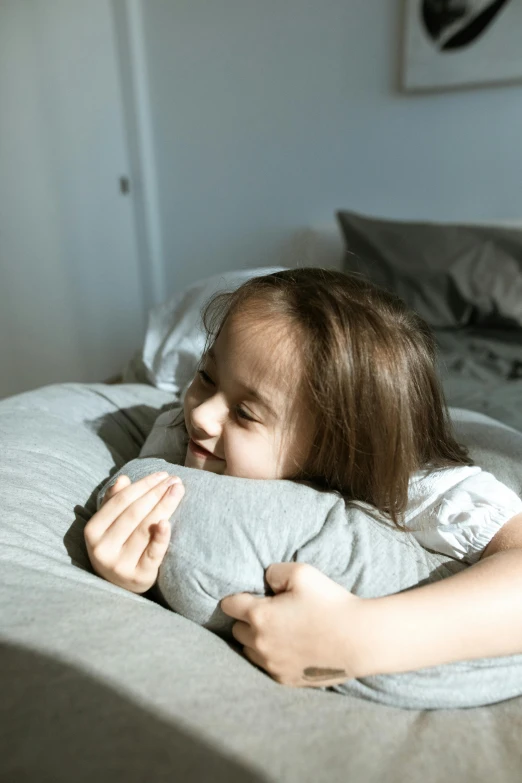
239,605
115,505
157,547
119,484
243,633
138,542
137,515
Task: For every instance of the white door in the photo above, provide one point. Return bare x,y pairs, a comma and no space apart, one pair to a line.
71,290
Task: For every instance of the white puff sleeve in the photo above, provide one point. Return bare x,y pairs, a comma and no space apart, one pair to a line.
462,522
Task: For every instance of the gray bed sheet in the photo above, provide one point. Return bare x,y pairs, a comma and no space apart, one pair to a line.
481,370
99,684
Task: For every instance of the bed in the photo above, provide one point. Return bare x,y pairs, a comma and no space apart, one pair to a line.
98,683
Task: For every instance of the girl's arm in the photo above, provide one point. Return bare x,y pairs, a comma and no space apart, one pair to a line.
313,632
476,613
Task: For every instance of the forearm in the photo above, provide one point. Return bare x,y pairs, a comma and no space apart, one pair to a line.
476,613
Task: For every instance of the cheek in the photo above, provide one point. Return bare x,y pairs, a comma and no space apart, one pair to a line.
250,456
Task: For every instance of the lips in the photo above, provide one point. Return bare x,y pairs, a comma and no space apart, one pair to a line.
201,451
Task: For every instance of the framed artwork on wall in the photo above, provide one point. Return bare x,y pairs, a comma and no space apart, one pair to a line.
461,43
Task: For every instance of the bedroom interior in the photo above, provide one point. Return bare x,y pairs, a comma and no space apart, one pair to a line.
153,152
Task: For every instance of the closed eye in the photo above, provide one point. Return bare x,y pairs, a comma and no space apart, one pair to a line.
205,377
242,414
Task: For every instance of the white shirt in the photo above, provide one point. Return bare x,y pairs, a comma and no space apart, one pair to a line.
457,511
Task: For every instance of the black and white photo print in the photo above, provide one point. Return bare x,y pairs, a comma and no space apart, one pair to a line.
456,43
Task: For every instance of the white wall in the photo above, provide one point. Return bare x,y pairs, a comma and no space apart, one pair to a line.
267,115
71,286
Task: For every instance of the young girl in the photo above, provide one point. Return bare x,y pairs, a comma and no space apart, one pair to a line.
319,376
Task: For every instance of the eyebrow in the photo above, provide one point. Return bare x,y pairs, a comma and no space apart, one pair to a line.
248,390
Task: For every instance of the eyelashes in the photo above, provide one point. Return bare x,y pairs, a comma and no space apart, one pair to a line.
240,411
205,377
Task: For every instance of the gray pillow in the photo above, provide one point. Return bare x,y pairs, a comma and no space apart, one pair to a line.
452,275
227,531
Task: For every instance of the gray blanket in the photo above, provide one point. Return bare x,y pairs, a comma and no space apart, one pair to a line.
228,530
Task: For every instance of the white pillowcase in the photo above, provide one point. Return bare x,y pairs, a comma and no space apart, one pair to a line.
175,338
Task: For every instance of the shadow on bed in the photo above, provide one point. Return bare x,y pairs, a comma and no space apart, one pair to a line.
60,723
128,427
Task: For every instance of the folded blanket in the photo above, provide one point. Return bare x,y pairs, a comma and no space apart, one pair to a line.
228,530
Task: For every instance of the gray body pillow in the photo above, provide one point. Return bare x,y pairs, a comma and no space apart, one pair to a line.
227,531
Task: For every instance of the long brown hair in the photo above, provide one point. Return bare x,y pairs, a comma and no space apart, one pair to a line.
369,369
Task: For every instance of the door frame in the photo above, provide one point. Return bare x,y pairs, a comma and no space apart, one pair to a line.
132,66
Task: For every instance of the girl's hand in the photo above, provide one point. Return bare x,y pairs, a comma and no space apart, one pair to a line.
119,484
307,634
127,538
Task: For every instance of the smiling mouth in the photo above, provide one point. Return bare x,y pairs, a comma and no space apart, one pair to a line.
199,451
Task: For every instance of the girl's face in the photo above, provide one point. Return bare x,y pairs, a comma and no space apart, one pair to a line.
242,410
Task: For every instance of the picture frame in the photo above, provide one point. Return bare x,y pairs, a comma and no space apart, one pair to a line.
449,44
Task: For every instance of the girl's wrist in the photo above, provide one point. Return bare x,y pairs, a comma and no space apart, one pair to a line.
402,632
388,638
364,641
383,637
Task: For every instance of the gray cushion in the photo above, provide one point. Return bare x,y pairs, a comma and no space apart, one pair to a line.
452,275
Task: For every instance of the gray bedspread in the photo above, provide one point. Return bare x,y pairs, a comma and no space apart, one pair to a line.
99,684
482,370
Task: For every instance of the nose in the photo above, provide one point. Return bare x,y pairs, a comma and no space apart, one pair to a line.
207,418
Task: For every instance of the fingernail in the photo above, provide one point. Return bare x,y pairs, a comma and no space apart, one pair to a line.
172,480
174,489
161,475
